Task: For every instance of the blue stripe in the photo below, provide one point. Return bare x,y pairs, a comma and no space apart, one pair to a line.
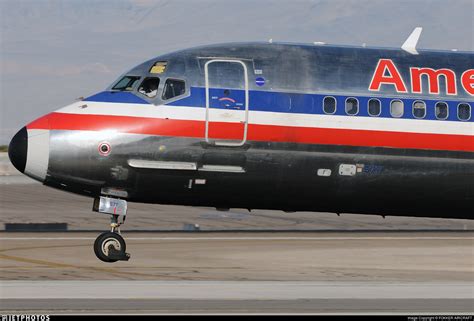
116,97
310,103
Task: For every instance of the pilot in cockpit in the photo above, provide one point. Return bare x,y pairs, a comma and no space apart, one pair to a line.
149,87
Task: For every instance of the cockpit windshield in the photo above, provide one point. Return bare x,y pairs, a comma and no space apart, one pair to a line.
126,83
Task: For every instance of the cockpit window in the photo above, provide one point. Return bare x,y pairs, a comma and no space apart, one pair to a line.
126,83
149,87
173,88
159,67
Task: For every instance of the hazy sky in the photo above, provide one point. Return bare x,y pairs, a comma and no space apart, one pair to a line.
53,51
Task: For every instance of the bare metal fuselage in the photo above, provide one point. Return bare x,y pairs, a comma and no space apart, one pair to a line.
252,133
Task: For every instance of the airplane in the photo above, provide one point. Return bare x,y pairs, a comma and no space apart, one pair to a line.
267,125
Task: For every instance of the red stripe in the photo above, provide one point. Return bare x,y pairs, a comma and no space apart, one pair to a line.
40,123
192,128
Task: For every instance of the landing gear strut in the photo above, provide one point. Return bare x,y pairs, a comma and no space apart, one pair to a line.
110,246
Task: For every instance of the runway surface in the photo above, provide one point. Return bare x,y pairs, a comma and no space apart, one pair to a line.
235,297
241,273
383,271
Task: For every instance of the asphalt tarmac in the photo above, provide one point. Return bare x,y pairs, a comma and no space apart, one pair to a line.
235,297
347,272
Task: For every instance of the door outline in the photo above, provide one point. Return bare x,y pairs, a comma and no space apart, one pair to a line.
206,73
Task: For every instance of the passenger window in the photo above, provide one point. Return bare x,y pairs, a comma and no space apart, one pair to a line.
329,105
441,110
464,111
126,83
396,108
149,87
419,109
352,106
173,88
375,107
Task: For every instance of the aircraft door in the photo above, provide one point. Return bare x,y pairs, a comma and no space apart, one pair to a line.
226,102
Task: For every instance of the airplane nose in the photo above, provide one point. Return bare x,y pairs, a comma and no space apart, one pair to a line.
29,149
18,149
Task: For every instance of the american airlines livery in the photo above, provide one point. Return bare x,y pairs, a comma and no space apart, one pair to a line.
292,127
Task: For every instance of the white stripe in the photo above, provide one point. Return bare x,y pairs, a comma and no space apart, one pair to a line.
276,119
37,157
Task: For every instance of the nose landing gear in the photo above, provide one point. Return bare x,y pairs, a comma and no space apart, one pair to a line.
110,246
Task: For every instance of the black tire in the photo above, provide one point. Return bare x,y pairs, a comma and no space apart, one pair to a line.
106,239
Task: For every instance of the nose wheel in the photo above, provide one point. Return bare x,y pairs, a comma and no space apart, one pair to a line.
110,247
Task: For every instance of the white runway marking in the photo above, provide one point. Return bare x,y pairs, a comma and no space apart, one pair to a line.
282,238
232,290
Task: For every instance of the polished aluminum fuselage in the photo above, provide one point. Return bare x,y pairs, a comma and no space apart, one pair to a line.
273,167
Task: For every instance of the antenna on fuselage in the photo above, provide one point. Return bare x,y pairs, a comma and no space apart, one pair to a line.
410,44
